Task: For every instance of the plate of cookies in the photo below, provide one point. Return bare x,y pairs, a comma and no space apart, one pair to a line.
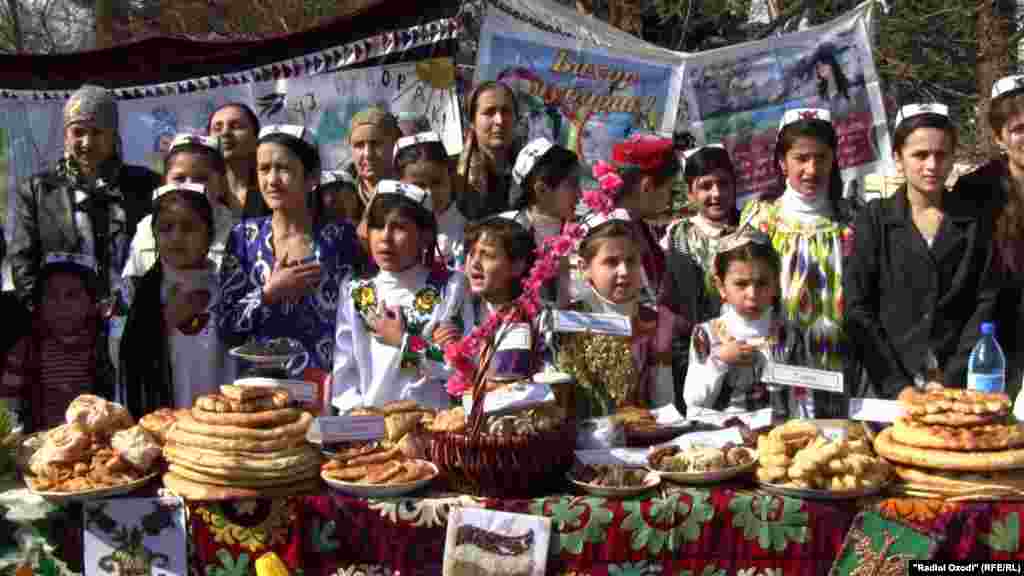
809,459
613,481
373,471
99,451
701,464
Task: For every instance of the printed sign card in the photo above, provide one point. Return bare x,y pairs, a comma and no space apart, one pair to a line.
513,398
875,410
135,536
610,324
336,429
482,541
800,377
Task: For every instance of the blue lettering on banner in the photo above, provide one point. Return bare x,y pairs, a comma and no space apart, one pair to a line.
401,82
385,77
943,567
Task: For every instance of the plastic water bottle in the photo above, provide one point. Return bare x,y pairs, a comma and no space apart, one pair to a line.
986,370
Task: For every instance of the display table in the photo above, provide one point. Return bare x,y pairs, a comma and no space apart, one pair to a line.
719,531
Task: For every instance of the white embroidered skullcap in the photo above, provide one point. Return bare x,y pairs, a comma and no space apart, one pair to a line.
692,151
911,110
1007,84
595,219
83,260
528,158
417,195
340,176
798,114
420,138
176,186
186,139
293,130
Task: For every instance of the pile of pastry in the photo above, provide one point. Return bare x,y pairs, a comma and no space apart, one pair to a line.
403,425
100,446
522,423
946,433
374,463
798,455
610,475
246,441
698,459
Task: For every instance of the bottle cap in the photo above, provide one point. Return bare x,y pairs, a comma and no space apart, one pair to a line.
988,328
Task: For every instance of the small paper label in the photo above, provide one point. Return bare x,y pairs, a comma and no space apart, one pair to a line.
800,377
668,415
611,324
614,456
520,396
334,429
302,392
835,433
875,410
754,420
516,337
713,439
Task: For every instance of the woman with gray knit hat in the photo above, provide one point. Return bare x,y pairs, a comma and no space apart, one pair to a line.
89,203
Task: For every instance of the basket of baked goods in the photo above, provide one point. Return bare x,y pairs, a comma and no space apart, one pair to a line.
613,480
98,452
955,444
701,464
245,442
820,459
375,470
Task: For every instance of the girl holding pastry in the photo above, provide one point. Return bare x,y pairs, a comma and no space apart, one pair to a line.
918,281
809,229
614,371
421,160
384,347
728,353
176,300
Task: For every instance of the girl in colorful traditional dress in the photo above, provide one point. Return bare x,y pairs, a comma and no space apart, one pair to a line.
998,187
613,371
728,353
421,160
176,299
549,176
384,350
60,359
281,275
689,290
918,282
810,233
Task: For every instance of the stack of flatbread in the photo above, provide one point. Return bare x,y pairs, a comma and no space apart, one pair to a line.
244,442
957,444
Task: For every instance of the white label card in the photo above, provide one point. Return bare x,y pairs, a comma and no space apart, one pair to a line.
713,439
521,396
611,324
668,415
612,456
334,429
835,432
800,377
875,410
754,420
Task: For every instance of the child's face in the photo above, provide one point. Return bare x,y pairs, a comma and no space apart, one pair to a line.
807,166
749,287
432,177
615,271
66,305
716,194
281,177
561,202
491,272
648,198
182,237
372,152
926,159
197,169
398,244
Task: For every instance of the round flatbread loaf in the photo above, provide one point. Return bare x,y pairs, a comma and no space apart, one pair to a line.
246,393
989,437
193,490
242,480
889,449
178,436
220,403
959,419
960,481
265,419
210,459
296,428
955,400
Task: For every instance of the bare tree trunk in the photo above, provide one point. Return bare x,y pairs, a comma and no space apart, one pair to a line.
993,28
19,37
104,24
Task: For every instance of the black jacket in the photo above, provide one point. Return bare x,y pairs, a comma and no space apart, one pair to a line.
903,298
44,218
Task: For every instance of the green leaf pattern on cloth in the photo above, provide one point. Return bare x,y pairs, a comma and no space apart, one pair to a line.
322,536
669,521
760,517
709,570
229,566
578,520
634,569
1005,535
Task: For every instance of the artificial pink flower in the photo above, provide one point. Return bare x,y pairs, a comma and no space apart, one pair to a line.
610,182
598,201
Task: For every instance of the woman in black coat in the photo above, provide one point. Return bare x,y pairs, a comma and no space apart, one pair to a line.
918,282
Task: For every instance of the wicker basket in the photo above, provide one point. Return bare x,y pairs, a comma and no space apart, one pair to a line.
510,466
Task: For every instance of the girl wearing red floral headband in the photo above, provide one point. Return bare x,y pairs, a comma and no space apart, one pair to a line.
811,233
